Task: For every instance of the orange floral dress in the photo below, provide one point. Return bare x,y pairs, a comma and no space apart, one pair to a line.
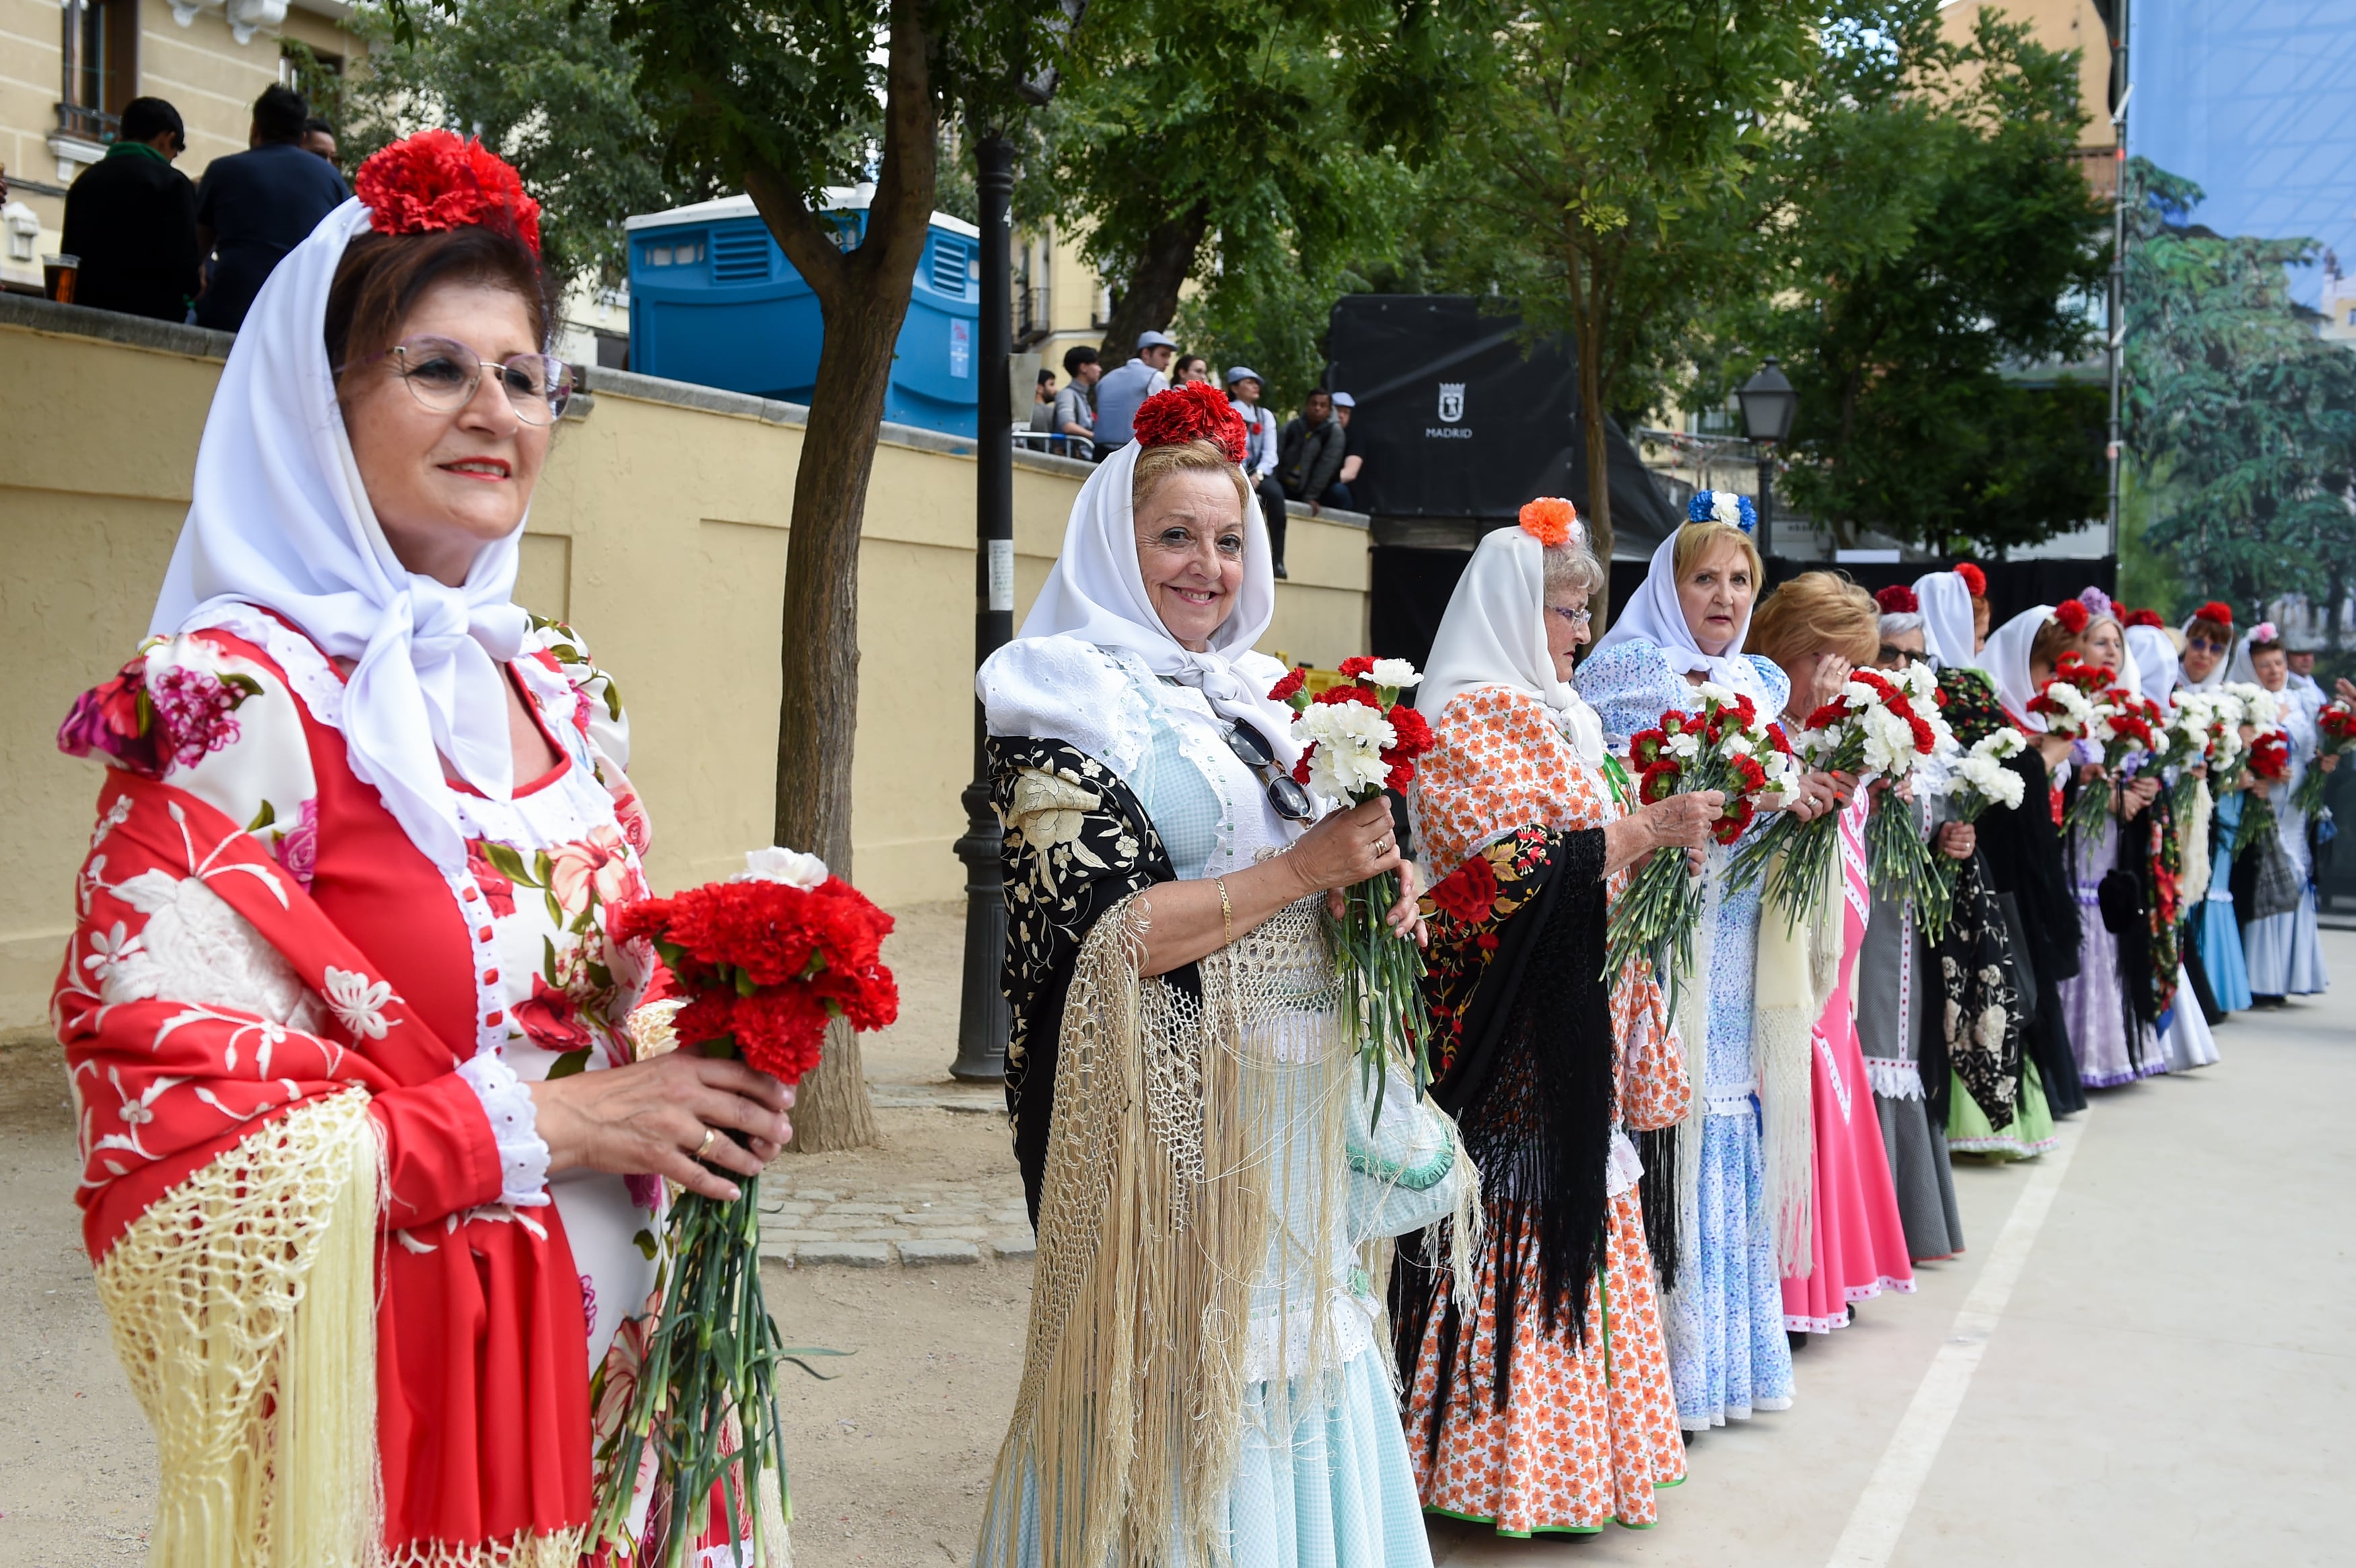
1590,1426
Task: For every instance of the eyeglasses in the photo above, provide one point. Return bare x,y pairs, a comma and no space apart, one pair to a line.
1576,617
2204,645
1896,658
442,375
1284,792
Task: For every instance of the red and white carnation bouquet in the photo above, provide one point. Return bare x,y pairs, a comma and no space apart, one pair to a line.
1357,740
1723,746
765,961
2268,761
2079,703
1881,724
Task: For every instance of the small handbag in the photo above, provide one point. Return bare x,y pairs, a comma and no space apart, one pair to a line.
2277,888
2120,895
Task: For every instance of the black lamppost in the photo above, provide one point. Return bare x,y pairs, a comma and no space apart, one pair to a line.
984,1020
1768,404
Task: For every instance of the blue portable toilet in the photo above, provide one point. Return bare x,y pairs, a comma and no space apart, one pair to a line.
714,300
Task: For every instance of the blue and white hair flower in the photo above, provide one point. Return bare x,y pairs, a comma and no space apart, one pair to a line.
1723,506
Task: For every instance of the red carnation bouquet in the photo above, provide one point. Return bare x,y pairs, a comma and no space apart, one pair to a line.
2268,761
2335,731
1358,739
1723,746
1881,725
765,960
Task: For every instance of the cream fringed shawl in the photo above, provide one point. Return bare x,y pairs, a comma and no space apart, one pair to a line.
243,1304
1190,1152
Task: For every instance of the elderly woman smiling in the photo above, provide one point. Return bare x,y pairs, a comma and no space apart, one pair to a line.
1202,1376
350,1042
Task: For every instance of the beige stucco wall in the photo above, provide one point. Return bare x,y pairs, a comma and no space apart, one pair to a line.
659,533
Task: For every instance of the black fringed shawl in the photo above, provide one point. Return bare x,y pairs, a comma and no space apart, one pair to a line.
1064,869
1522,1053
2020,848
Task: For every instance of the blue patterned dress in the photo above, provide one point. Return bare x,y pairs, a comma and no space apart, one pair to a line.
1727,1355
2216,930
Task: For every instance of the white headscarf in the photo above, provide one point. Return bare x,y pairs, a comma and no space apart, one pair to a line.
1946,618
2005,660
1097,593
2153,658
281,520
1493,633
1653,616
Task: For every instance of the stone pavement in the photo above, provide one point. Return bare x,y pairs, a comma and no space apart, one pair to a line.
808,1221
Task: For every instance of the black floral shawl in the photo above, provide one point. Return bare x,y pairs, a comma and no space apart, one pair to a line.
1075,842
1522,1053
2021,850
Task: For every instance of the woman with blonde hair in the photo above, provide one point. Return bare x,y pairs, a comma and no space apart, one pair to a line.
1817,627
1544,1405
1727,1353
1203,1381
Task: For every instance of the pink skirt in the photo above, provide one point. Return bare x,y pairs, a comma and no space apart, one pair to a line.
1860,1240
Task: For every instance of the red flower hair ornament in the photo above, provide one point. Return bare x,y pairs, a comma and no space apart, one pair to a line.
1898,599
2213,611
2072,615
1974,580
2145,618
1195,411
438,180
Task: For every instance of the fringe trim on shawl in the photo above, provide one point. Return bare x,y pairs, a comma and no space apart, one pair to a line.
2193,834
243,1305
523,1550
1796,971
1158,1213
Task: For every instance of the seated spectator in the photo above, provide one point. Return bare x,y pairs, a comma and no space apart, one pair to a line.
1353,457
1260,454
1189,369
1125,389
1043,406
131,219
319,137
253,206
1309,453
1075,410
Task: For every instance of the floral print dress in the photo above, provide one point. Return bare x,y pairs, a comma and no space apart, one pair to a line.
506,963
1727,1353
1590,1427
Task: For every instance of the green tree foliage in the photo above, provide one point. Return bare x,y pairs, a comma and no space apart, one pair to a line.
1928,231
1596,162
545,85
2242,422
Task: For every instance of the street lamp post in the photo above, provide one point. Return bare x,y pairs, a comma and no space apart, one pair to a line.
984,1020
1768,403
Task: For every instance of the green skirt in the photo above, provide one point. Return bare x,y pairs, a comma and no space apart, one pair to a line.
2027,1135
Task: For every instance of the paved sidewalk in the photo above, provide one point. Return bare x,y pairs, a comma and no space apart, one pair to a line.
917,1223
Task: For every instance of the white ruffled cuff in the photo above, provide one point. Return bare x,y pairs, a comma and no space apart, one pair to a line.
523,1158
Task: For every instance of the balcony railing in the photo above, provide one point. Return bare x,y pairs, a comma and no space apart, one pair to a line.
1032,321
89,124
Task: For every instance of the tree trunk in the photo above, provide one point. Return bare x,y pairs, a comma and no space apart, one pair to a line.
862,298
1151,300
1592,411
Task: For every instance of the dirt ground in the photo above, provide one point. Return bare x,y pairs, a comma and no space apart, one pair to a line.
887,1460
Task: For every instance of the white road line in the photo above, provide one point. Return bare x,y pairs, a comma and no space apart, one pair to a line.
1881,1513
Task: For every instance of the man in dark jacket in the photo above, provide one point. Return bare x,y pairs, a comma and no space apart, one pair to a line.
131,219
1309,453
253,206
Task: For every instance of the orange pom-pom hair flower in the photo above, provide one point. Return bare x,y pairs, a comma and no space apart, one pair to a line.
438,180
1550,520
1195,411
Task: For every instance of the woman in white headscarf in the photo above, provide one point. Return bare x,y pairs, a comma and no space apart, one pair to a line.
2208,656
2174,866
373,1176
2280,946
1202,1380
1727,1353
1520,1412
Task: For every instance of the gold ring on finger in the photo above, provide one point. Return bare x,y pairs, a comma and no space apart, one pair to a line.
709,1133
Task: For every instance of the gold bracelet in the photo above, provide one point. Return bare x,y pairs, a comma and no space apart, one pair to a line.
1226,911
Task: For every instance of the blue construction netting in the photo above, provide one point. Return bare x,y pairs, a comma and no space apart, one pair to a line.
2255,101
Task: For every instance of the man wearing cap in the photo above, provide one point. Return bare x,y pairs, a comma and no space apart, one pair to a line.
1121,393
2301,651
1353,455
1259,454
131,219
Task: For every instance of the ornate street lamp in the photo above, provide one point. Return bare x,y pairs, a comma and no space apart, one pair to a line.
1768,405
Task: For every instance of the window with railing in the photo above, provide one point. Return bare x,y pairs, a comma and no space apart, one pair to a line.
101,67
1032,321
